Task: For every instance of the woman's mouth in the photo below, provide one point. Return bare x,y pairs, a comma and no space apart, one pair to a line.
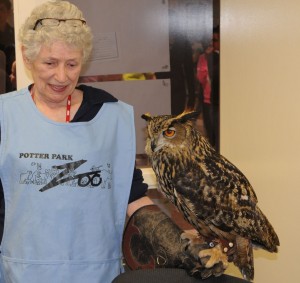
57,88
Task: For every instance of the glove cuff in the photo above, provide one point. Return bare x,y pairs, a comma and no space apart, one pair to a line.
151,240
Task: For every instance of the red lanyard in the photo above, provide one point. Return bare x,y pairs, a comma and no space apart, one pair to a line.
68,107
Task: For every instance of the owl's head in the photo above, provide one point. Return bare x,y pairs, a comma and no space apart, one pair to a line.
167,131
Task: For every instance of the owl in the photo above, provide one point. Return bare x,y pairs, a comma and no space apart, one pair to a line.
211,193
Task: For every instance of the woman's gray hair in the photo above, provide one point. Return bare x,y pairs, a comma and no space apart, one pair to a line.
79,37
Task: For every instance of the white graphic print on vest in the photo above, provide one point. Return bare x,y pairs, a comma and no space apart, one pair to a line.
66,174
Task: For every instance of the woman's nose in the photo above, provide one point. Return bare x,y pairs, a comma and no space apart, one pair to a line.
61,74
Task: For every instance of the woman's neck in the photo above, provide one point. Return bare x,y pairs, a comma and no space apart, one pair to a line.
59,111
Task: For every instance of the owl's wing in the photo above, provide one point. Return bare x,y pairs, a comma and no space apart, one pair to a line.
212,219
225,176
217,193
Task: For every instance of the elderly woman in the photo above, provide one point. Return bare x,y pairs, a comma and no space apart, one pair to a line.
67,168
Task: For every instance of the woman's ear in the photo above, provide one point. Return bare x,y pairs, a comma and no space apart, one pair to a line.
25,59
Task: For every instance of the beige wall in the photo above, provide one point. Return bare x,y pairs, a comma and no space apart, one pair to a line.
260,106
260,117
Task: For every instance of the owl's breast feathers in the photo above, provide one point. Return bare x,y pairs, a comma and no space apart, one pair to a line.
210,191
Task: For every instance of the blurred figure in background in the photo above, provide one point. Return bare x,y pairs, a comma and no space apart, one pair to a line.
208,76
7,38
215,89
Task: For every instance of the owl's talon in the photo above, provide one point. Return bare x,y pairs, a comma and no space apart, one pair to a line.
192,240
215,255
209,254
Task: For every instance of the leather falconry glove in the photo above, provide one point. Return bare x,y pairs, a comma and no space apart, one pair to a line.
152,240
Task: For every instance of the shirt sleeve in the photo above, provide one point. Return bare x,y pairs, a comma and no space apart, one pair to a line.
138,187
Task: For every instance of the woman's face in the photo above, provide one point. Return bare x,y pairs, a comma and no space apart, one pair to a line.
55,71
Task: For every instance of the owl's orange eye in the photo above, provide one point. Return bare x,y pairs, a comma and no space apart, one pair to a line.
169,133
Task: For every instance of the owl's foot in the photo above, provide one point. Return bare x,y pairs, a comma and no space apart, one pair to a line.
212,256
207,255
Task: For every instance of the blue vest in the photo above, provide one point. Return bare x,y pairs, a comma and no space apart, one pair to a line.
66,189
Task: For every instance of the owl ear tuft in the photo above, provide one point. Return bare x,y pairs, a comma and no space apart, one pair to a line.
187,116
147,117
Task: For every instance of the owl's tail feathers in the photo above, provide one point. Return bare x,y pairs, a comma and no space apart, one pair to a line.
243,258
267,238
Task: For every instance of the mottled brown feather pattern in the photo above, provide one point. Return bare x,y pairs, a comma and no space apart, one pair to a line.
212,194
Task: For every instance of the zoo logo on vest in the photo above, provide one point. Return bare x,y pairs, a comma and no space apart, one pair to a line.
92,179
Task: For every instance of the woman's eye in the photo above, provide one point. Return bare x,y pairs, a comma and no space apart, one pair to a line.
49,63
71,65
169,133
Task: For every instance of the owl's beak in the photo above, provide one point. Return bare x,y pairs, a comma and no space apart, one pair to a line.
153,146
